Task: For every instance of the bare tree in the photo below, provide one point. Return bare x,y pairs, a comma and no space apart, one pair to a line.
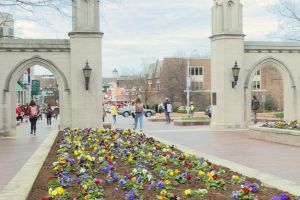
173,79
35,6
288,12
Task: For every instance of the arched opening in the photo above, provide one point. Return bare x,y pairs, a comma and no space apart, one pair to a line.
57,88
271,81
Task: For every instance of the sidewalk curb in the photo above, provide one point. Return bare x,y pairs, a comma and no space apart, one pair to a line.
267,179
19,187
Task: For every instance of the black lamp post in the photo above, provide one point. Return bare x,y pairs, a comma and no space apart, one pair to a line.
235,73
87,74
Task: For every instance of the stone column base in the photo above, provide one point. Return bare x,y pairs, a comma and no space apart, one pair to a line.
8,133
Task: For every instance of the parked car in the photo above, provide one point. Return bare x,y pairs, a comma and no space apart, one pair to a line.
126,111
208,111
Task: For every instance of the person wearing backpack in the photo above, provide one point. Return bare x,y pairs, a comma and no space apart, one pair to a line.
168,110
139,114
33,111
255,106
49,115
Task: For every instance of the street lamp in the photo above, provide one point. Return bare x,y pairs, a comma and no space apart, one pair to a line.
87,74
188,82
235,73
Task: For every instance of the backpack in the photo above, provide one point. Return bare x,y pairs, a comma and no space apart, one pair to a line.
255,105
34,111
139,107
49,113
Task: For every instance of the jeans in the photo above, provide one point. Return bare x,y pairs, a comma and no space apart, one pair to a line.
114,118
168,119
33,124
138,119
49,120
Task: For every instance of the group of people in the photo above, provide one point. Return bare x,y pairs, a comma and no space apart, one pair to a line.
32,112
137,112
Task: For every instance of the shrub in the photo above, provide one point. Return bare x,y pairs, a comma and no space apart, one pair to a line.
279,115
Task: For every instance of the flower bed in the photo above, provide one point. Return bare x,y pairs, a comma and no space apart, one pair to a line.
119,164
295,125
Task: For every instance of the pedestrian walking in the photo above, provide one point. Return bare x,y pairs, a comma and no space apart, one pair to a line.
114,112
168,110
139,114
191,110
255,106
49,114
133,111
33,112
19,113
103,113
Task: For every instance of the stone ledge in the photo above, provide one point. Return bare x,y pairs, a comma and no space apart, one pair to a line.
268,179
190,122
24,179
282,136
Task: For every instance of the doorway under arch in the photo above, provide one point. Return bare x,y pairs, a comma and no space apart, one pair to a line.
289,88
9,98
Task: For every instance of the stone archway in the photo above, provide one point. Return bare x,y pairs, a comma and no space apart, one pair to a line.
289,87
9,98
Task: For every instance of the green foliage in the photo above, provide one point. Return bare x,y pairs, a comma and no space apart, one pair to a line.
279,115
270,105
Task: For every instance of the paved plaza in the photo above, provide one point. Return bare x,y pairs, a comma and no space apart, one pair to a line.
272,158
14,152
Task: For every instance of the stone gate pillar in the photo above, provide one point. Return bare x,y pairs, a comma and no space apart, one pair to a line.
85,42
227,46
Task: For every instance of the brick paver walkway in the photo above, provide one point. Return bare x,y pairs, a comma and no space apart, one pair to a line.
14,152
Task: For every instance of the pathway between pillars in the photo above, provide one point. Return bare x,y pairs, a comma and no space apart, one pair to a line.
14,152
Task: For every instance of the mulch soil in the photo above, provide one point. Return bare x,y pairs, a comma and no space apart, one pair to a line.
40,187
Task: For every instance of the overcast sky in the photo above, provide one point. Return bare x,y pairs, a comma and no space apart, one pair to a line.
137,32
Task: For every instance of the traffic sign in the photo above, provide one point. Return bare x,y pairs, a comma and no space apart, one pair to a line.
35,87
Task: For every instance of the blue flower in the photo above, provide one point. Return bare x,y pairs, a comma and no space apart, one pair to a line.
122,181
139,179
275,198
107,169
151,185
160,184
284,196
235,195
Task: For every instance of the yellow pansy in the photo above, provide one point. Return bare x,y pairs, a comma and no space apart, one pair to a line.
60,190
187,192
87,197
201,173
75,153
84,186
54,193
167,182
171,173
177,171
163,192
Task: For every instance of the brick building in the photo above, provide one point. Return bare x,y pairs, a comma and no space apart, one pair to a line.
167,78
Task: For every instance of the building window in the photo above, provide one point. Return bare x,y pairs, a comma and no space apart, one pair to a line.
197,85
256,85
11,32
157,86
258,72
196,71
1,31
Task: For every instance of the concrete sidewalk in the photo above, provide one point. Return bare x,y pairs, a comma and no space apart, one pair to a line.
14,152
